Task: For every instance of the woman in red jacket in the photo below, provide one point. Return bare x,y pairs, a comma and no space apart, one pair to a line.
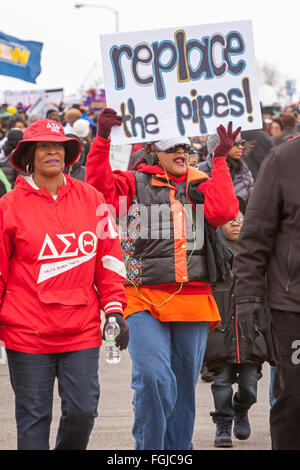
59,266
172,257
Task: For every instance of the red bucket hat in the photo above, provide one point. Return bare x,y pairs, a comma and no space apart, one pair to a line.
45,130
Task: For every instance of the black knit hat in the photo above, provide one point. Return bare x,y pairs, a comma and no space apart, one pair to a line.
242,204
13,137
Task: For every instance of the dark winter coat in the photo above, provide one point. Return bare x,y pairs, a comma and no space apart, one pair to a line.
269,243
242,180
285,133
223,342
10,171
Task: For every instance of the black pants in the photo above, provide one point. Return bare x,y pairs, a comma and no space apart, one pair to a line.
32,377
285,413
227,404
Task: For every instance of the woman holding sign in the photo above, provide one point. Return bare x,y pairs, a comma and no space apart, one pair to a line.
172,256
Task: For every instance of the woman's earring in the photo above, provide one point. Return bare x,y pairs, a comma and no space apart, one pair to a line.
29,168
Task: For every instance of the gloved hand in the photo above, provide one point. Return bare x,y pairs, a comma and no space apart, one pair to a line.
248,312
123,337
227,139
106,120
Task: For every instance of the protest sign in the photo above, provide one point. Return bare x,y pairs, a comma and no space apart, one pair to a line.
29,97
95,100
181,81
119,157
20,59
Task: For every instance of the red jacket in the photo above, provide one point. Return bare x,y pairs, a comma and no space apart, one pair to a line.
220,204
60,263
119,189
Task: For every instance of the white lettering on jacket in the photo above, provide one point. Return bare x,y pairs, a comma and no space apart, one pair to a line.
49,251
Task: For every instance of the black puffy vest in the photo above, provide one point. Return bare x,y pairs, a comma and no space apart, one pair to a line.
166,242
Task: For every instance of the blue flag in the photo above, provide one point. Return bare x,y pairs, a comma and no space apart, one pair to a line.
20,59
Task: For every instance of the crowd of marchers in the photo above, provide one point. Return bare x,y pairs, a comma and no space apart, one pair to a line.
214,308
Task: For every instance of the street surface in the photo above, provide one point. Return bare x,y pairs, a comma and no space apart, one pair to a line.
112,430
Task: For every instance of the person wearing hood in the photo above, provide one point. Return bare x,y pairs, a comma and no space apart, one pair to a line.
15,122
223,355
59,267
242,178
12,139
77,169
82,128
168,215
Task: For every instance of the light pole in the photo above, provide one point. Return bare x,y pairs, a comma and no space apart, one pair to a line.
116,13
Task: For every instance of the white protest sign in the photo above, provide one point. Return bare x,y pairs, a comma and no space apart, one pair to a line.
119,157
181,81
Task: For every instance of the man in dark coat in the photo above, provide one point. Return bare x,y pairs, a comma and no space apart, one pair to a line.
269,244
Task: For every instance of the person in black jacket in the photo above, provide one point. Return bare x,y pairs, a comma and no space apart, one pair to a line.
269,245
224,360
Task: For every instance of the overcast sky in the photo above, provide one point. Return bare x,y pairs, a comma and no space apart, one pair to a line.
71,36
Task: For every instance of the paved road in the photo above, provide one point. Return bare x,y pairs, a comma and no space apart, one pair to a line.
112,430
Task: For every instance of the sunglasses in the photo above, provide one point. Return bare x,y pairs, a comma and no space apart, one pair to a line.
185,147
242,143
238,220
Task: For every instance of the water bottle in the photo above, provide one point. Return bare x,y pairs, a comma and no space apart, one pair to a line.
112,352
3,358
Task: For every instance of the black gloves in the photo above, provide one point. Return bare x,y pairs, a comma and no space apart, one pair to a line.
123,337
250,311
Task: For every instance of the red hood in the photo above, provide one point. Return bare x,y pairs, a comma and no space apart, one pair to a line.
158,170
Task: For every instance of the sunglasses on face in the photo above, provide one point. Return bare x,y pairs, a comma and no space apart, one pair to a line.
242,143
185,147
238,220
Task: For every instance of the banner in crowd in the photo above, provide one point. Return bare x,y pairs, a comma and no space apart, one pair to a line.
181,81
29,97
95,100
20,59
41,107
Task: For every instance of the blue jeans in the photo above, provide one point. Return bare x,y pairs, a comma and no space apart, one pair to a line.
166,363
246,376
32,377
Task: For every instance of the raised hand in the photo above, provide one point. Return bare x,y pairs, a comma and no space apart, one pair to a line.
227,139
106,120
